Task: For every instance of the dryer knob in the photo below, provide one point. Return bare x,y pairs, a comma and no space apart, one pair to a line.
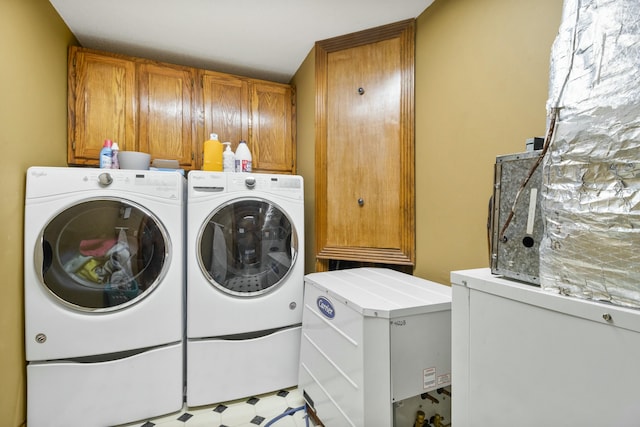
105,179
250,182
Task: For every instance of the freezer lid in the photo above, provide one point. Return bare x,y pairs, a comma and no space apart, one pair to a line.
381,292
481,279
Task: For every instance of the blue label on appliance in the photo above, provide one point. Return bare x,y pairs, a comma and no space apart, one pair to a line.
325,307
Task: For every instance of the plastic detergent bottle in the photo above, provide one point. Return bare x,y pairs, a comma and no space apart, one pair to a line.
212,154
115,164
243,158
228,158
105,154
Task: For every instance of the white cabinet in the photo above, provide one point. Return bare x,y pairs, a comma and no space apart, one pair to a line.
524,357
372,337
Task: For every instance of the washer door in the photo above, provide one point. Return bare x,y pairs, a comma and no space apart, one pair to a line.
103,255
247,247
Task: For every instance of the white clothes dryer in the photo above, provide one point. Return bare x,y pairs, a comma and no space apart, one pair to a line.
245,281
104,274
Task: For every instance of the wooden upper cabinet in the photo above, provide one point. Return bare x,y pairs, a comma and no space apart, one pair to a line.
166,100
225,108
365,202
259,112
169,111
102,104
272,127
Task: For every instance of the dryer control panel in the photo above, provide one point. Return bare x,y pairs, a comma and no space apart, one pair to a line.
290,184
52,182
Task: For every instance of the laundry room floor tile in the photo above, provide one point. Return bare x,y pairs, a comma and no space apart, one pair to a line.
250,412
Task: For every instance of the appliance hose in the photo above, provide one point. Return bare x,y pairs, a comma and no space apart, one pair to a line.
286,413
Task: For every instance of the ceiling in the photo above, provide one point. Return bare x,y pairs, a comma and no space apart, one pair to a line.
267,39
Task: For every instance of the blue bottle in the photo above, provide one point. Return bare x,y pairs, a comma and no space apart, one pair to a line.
106,154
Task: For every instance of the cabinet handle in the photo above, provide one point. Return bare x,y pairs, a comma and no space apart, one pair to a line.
361,201
361,91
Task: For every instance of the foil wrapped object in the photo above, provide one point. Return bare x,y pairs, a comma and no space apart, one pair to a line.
591,171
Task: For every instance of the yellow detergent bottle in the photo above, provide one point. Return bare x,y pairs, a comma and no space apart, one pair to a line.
212,154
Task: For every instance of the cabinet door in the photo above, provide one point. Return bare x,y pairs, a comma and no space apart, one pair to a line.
364,147
225,109
102,100
272,137
166,99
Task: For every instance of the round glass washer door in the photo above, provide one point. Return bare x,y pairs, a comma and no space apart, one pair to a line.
103,254
247,247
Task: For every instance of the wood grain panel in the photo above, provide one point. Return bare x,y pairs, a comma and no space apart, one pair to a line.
102,100
166,98
169,111
271,125
362,146
225,107
365,203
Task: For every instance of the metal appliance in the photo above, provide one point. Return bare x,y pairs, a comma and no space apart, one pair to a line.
372,337
516,225
519,351
245,257
104,289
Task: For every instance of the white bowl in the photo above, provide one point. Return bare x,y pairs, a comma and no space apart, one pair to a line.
134,160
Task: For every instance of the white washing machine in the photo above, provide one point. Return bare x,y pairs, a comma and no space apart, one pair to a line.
104,274
245,280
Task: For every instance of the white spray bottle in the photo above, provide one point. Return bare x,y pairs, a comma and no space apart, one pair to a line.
228,159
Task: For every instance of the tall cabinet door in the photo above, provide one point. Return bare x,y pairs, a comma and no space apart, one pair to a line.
272,130
102,104
166,100
365,147
225,108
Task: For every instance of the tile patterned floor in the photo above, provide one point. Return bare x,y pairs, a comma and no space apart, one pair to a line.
250,412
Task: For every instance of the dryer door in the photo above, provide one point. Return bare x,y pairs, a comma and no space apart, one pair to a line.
247,247
103,254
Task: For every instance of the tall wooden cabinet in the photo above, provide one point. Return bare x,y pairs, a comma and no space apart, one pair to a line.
169,111
365,147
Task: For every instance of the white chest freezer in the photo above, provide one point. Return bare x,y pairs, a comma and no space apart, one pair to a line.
372,337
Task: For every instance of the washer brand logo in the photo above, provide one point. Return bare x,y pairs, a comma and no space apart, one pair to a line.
325,307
